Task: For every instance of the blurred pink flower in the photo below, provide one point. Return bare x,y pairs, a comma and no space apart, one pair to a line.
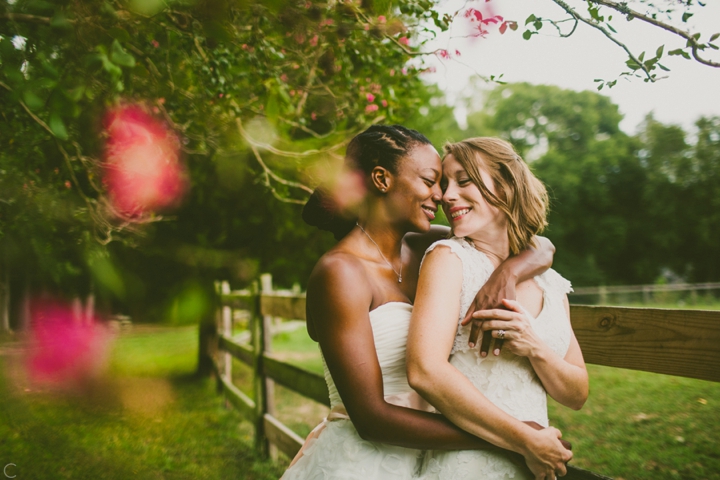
384,103
371,108
314,41
64,349
404,40
155,43
370,97
143,171
382,19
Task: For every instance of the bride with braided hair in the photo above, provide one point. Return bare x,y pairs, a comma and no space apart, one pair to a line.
359,303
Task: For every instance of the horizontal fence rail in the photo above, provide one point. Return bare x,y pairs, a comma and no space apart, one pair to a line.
670,287
674,342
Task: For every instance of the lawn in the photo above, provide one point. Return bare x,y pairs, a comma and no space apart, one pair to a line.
150,418
635,425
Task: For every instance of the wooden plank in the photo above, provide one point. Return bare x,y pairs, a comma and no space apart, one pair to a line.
242,352
673,342
242,402
295,378
238,301
282,437
290,307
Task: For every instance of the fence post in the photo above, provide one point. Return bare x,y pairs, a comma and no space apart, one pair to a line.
266,284
602,290
208,334
258,343
227,331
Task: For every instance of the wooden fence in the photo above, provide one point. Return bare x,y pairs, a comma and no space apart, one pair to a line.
674,342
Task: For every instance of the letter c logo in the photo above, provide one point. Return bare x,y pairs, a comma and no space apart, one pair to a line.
6,472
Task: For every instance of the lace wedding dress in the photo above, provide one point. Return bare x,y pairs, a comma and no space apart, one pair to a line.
334,450
506,380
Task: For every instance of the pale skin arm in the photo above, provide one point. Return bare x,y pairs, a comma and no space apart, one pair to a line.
432,331
565,379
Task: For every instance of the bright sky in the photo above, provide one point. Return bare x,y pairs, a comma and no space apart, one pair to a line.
691,89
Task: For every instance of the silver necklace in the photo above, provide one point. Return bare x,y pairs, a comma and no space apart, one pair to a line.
399,275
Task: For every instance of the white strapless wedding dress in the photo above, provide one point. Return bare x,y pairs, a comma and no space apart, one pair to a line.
335,451
507,380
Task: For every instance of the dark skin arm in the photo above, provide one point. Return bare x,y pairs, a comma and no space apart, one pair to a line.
340,323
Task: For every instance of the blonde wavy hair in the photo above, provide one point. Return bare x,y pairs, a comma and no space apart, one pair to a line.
520,195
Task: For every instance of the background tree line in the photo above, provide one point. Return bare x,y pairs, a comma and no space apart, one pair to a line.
264,96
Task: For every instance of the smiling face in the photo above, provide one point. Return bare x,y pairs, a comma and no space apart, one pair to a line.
416,191
463,203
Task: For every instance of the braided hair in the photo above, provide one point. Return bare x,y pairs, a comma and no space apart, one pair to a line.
378,146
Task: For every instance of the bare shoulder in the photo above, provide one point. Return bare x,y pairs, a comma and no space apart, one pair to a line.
443,258
338,279
419,242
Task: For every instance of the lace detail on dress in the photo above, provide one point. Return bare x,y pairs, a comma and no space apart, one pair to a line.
507,380
477,268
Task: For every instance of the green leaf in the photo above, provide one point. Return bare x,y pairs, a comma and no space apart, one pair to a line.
530,19
57,126
610,27
659,51
686,16
120,56
641,57
714,36
119,34
714,47
60,21
33,101
75,94
663,67
272,108
538,25
527,34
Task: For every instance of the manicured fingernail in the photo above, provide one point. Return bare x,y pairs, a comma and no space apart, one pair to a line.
472,345
483,354
496,351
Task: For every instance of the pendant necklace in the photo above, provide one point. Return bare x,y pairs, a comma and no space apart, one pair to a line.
399,275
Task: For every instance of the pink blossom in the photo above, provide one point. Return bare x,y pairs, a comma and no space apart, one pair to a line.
284,77
68,184
371,108
457,53
64,349
155,43
384,103
404,41
382,19
443,54
314,41
143,170
370,97
313,115
366,27
392,72
404,71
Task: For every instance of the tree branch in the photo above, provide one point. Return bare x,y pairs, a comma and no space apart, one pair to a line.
624,9
268,173
22,17
594,25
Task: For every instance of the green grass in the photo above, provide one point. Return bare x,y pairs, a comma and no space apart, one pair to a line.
635,425
150,419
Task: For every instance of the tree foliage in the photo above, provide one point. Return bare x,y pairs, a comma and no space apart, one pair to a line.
624,209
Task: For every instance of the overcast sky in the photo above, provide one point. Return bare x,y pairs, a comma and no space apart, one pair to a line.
691,89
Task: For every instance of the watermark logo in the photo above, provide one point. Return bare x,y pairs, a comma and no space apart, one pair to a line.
9,470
